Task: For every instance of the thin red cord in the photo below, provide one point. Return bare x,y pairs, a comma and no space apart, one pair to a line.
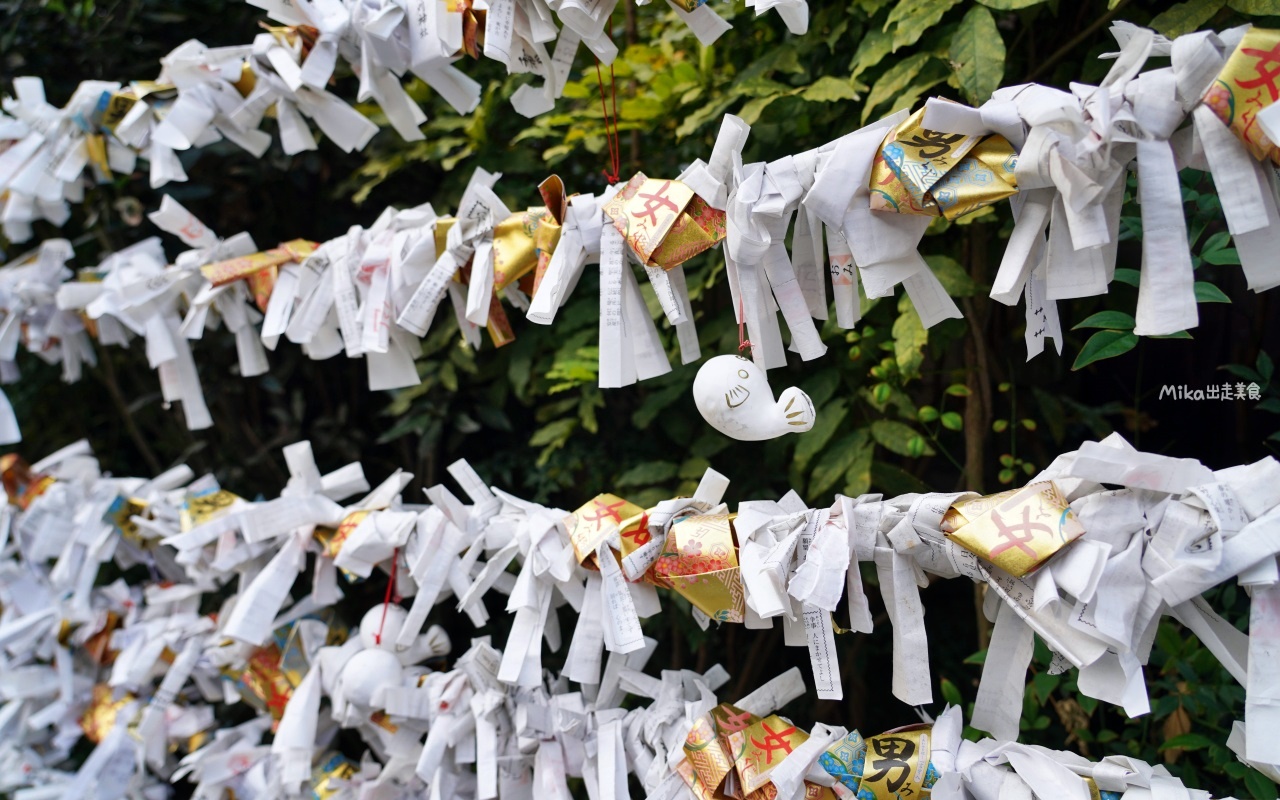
611,136
743,342
386,600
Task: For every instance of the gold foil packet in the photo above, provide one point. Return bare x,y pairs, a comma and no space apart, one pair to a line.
705,751
548,234
664,222
199,508
1017,531
699,561
329,773
897,765
1248,83
21,485
597,522
844,759
120,516
761,746
224,272
928,173
99,716
115,106
265,684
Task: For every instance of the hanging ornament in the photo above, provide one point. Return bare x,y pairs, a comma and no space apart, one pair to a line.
733,395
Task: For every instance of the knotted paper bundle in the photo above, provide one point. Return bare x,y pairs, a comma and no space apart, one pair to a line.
699,561
259,270
934,174
496,724
1015,530
664,222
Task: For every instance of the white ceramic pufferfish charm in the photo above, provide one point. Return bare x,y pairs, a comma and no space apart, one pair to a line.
733,395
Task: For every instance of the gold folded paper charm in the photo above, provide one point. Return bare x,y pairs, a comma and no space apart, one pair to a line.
760,747
663,221
99,716
1248,83
198,509
21,485
259,269
897,765
115,106
548,234
730,753
523,244
706,758
264,684
1017,530
932,174
699,561
599,521
329,773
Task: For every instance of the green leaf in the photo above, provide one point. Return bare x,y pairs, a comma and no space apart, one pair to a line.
824,427
553,433
1225,256
1127,275
1208,293
837,461
655,403
693,469
1185,17
953,277
875,45
1241,371
649,473
1114,320
912,19
1010,5
896,437
927,414
751,112
894,480
1187,741
952,421
1104,344
1266,368
857,480
1043,684
821,385
958,390
829,89
894,82
909,340
950,693
977,54
1000,425
1259,8
1260,786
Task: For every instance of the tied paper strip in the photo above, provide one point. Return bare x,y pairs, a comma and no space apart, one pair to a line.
384,284
1094,602
204,95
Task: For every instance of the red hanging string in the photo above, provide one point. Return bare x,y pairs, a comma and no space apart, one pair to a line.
743,342
386,600
610,134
